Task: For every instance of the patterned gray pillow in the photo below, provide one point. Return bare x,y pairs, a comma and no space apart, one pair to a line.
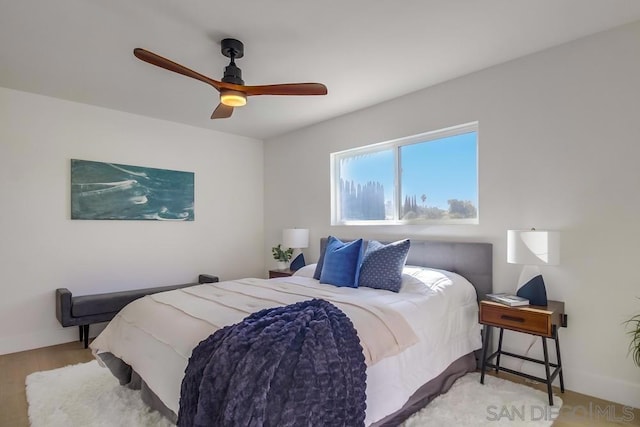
382,265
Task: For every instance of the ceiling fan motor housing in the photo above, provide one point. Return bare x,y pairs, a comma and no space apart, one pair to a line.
233,74
233,49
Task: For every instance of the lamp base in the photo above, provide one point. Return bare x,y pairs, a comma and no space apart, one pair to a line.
531,286
297,263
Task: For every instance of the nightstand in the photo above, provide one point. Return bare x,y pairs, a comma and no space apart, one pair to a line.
534,320
280,273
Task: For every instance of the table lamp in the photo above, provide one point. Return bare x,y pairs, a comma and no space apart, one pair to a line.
296,239
533,248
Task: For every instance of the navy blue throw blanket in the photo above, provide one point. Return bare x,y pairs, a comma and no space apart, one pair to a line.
298,365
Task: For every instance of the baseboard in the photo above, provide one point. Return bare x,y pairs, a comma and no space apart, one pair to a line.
612,389
596,386
23,342
583,382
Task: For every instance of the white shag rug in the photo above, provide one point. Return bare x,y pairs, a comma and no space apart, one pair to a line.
496,403
86,395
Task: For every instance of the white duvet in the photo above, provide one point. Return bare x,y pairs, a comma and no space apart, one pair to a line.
408,338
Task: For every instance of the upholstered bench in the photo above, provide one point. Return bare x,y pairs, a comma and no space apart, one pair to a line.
84,310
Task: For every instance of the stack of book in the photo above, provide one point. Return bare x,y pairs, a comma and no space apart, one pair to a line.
508,299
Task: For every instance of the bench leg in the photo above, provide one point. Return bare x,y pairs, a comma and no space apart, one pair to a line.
85,331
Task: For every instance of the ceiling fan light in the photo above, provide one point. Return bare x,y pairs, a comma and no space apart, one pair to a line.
233,98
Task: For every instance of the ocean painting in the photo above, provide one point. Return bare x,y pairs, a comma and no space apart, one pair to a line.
113,191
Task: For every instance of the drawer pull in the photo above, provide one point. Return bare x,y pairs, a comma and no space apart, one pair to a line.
512,318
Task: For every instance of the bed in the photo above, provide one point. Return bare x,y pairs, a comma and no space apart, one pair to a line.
432,331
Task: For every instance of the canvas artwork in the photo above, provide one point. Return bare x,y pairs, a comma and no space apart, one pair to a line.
113,191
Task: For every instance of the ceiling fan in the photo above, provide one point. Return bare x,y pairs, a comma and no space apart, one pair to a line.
233,92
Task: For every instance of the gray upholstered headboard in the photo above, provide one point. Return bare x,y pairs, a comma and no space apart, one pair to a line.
473,261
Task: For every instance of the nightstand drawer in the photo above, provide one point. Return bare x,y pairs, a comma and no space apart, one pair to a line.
523,319
280,273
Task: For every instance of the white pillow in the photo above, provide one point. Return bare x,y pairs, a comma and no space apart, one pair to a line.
306,271
417,279
410,282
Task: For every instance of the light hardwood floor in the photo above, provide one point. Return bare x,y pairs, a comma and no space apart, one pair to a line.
582,410
15,367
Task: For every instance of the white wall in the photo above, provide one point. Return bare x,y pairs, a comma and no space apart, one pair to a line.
41,249
558,149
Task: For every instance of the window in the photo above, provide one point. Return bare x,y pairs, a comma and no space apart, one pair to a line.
431,177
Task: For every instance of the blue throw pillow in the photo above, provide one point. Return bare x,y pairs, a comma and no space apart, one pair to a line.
341,263
316,274
382,265
320,263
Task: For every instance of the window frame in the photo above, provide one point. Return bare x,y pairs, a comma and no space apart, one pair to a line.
395,145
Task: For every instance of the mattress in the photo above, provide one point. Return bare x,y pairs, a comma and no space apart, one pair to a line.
408,338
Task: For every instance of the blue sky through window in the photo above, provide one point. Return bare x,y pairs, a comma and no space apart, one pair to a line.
442,169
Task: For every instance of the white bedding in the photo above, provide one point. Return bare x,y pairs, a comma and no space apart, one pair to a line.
430,323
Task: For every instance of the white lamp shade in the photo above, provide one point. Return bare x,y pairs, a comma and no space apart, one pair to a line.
296,238
533,247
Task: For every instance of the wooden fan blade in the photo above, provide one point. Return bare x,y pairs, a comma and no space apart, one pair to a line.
286,89
167,64
222,112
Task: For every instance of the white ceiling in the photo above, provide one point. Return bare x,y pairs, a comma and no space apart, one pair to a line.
365,51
